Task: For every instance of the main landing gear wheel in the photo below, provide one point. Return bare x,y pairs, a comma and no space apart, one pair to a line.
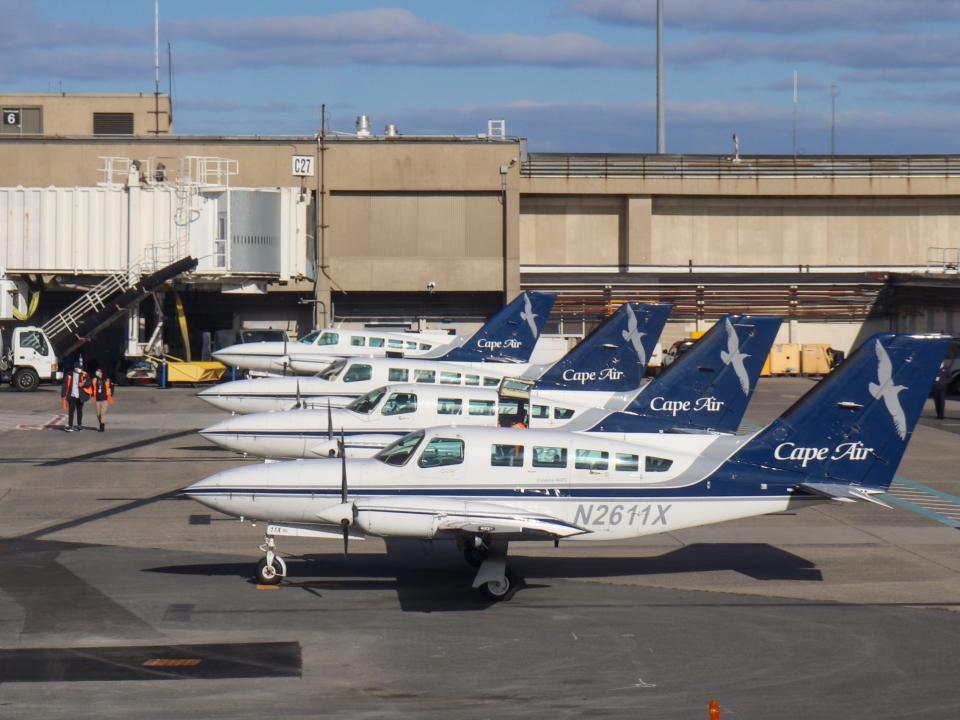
271,573
499,590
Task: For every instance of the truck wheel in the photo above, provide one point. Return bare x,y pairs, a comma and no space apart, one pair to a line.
26,379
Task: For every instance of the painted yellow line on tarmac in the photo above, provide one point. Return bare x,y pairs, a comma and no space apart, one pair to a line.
172,662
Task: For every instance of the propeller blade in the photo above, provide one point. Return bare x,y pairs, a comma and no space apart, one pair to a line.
344,524
299,399
286,358
329,421
343,468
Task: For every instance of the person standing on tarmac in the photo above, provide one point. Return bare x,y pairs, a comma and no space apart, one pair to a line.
939,390
102,391
74,392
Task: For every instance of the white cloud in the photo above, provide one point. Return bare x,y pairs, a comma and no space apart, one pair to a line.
774,16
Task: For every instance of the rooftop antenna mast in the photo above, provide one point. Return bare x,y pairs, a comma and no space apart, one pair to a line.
156,67
661,129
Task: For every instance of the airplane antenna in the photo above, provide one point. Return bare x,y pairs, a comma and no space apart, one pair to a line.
329,421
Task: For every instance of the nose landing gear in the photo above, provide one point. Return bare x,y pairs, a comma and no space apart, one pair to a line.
272,569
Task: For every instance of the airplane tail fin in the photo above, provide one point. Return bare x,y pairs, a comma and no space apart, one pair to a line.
708,387
845,438
510,335
614,356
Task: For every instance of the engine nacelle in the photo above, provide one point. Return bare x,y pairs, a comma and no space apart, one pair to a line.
325,448
391,523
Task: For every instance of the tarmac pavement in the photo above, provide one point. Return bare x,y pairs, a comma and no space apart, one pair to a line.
119,599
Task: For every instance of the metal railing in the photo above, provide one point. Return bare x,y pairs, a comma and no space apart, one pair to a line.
715,166
94,300
943,259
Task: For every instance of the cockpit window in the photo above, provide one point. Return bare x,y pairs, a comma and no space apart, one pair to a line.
368,402
398,452
309,338
358,372
329,338
441,451
332,370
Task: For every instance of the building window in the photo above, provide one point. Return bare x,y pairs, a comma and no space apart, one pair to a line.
22,121
112,123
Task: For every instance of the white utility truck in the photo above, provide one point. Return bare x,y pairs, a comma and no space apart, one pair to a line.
27,357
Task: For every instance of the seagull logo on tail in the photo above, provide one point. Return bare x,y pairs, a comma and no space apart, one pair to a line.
633,336
884,388
733,356
529,315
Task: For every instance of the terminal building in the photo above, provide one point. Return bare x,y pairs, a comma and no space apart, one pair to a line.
385,228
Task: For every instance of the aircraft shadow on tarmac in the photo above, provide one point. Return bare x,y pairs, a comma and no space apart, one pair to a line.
438,580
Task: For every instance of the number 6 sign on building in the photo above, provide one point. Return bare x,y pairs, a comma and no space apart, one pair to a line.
11,117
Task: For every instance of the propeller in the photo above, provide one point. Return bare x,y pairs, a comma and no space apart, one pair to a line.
299,405
330,421
345,523
286,358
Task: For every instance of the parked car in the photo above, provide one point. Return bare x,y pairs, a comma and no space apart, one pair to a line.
675,351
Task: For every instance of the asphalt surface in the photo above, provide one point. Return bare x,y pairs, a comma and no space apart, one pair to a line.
118,599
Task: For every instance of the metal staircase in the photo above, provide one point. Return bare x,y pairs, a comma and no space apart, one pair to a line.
69,320
105,303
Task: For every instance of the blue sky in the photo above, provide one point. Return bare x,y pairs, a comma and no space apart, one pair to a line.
569,75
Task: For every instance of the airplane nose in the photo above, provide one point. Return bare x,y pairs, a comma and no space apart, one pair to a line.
205,486
228,426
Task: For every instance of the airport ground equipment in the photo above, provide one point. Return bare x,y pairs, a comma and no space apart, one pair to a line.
27,357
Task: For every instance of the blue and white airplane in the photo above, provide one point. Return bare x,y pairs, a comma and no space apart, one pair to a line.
502,345
485,487
593,389
316,350
842,441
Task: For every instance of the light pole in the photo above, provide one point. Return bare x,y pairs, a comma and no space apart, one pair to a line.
834,92
661,129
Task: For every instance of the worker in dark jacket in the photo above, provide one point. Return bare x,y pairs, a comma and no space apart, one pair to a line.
74,391
101,389
939,390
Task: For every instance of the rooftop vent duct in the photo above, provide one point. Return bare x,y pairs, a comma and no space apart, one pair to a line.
391,131
363,126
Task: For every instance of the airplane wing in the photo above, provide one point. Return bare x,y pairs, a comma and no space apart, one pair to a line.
841,492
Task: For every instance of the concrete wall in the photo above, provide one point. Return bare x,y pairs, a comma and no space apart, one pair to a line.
570,230
402,241
834,231
733,231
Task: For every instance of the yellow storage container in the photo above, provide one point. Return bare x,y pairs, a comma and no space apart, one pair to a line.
765,370
785,359
815,359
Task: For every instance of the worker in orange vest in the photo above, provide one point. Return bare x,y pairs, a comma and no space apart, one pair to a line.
102,391
74,392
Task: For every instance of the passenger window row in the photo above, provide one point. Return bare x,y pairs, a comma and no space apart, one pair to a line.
332,338
358,372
